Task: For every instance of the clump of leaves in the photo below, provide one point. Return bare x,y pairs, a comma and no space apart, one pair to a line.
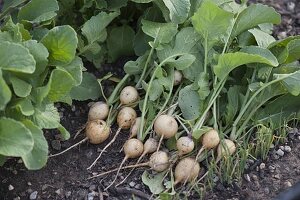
33,63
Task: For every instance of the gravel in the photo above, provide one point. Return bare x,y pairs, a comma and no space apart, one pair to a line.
33,195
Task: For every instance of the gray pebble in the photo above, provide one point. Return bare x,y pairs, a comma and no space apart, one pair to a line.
68,194
254,177
73,108
280,152
16,198
59,192
132,184
262,166
272,146
291,6
138,186
247,177
92,188
10,187
56,144
287,184
250,161
91,196
215,179
287,148
281,147
277,176
282,35
267,190
33,195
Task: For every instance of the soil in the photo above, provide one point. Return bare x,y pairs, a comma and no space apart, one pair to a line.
65,176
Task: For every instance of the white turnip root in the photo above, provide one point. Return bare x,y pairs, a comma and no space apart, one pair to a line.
150,146
97,131
185,145
124,119
133,148
210,140
98,110
187,169
159,161
129,95
166,126
177,77
225,149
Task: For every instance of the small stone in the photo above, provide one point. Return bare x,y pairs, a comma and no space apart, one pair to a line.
132,184
33,195
61,114
287,148
91,196
282,35
267,190
299,137
20,161
277,176
262,166
280,152
15,172
291,6
44,187
276,157
287,184
92,188
247,177
56,144
28,183
216,179
68,194
29,190
16,198
281,147
254,177
10,187
73,108
250,161
137,186
272,146
59,192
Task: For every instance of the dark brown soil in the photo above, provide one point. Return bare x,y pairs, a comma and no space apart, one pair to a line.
65,176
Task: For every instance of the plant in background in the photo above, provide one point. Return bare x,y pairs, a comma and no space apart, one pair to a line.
37,69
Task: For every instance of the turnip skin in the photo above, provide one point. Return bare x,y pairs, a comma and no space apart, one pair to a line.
210,139
226,148
126,117
159,161
177,77
166,126
185,145
133,148
98,110
97,131
129,95
135,127
187,169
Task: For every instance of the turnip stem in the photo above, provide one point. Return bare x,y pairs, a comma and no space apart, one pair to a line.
103,150
160,141
71,147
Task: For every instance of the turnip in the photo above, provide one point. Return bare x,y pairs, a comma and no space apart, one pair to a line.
98,110
185,145
187,169
133,148
210,140
159,161
129,95
225,149
177,77
165,126
124,119
135,127
96,132
150,146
